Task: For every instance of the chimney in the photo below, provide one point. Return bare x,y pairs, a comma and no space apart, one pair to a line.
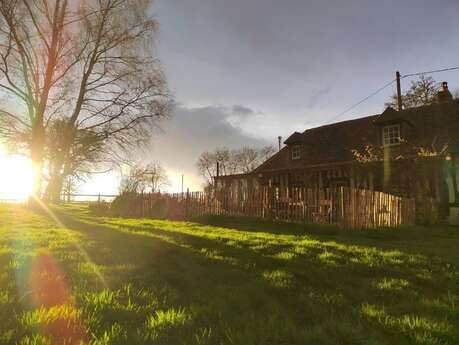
443,94
279,139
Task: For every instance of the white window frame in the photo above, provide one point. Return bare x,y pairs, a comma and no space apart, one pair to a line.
391,135
296,152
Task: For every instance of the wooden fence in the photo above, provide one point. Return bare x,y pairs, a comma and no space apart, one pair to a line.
346,207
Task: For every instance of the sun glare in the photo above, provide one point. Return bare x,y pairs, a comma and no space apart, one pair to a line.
16,176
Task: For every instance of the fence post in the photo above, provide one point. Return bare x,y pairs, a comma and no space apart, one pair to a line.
186,202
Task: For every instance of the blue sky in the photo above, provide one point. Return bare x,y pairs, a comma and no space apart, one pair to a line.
291,64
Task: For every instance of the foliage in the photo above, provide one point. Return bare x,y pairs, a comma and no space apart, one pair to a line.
130,205
418,164
371,153
121,205
224,281
427,211
432,151
100,208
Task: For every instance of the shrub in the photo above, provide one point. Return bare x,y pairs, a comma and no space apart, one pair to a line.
125,205
100,208
427,211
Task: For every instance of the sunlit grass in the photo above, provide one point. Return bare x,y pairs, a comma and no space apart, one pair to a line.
421,330
170,318
391,284
222,281
278,278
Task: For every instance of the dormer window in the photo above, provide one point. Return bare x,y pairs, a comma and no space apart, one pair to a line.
296,152
391,135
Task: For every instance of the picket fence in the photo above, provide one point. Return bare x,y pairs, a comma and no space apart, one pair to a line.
345,207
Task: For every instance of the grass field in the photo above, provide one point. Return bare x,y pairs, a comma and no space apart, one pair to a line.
74,277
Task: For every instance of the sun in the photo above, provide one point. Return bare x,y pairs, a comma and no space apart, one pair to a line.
16,176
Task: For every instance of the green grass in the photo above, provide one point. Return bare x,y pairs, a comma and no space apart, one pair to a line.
72,278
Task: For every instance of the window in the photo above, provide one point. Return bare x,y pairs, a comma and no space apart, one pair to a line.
296,152
391,135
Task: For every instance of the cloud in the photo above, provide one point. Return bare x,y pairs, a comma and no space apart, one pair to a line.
318,96
280,55
193,130
242,110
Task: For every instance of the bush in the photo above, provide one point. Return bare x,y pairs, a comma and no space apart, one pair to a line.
100,208
125,205
427,211
156,205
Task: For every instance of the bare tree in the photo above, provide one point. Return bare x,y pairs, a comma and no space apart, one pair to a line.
148,178
133,182
239,161
157,177
207,166
86,152
421,92
248,158
207,163
121,88
266,152
34,47
112,89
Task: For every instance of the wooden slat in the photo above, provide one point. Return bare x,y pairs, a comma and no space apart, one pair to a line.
349,208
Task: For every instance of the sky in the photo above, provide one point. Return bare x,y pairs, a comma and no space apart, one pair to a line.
243,72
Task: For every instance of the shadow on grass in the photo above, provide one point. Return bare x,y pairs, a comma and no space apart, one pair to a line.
252,224
253,289
259,225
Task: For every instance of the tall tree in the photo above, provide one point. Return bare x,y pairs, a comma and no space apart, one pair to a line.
34,47
121,90
85,154
108,86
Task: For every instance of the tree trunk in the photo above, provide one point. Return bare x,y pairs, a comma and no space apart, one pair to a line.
37,156
57,175
55,186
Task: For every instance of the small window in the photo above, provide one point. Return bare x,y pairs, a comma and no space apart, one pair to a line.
391,135
296,152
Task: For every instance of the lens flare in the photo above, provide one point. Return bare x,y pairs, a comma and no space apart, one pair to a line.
45,289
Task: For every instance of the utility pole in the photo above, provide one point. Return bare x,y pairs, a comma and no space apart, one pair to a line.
399,91
182,182
218,175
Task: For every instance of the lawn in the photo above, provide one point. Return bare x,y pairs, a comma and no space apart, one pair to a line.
70,277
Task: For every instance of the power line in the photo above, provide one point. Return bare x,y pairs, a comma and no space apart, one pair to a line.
430,72
385,86
361,101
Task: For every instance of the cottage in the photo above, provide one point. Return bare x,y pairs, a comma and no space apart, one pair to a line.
413,152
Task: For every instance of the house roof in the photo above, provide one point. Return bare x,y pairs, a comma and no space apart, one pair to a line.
433,125
296,137
427,126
